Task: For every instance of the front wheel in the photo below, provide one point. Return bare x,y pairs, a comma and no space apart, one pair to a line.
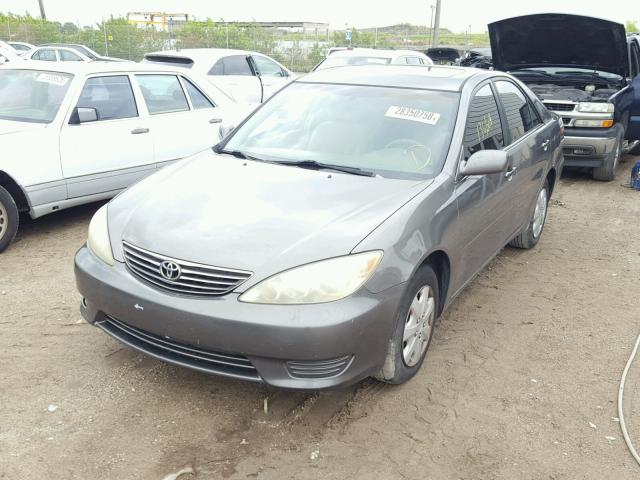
414,323
529,237
9,218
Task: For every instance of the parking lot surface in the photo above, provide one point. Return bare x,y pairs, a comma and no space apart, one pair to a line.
520,381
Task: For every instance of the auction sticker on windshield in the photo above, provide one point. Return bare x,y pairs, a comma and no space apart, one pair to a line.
53,79
414,114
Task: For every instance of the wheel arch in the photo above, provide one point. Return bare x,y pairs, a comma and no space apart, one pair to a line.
16,192
441,264
552,177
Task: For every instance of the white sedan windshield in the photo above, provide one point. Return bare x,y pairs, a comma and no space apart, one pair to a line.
393,132
32,95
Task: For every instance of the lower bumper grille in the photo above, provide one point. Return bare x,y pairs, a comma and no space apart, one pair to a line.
319,369
228,364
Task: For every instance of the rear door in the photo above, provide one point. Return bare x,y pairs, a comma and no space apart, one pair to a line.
485,206
112,153
182,120
235,76
529,146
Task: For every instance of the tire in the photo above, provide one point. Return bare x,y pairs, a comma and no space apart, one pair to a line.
529,237
635,150
9,219
418,310
607,172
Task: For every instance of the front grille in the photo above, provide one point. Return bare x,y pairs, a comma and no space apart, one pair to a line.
560,107
318,369
193,279
228,364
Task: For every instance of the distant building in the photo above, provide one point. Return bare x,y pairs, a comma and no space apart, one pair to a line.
306,28
158,20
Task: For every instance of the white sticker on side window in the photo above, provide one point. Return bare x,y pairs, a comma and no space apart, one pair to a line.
53,79
414,114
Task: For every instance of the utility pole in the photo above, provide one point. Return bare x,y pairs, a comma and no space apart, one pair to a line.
42,14
436,24
431,26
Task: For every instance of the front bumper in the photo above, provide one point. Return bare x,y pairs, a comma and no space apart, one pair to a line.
588,147
306,347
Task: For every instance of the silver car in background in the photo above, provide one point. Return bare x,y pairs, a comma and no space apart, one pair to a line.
318,244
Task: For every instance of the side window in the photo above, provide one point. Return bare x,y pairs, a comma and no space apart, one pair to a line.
67,56
635,59
45,54
413,60
521,116
198,100
162,93
111,96
483,130
218,68
267,67
236,65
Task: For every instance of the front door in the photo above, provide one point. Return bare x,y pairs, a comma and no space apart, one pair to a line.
113,152
485,202
273,76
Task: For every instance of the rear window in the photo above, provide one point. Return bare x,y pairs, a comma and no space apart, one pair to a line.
169,60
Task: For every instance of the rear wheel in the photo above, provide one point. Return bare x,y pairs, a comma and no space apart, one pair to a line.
530,236
9,219
607,172
414,323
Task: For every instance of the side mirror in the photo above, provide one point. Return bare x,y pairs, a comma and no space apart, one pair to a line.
84,115
225,130
485,162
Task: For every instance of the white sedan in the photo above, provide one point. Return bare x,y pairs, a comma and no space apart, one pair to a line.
372,56
249,77
7,53
73,133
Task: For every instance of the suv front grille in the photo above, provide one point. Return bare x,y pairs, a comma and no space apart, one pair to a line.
228,364
191,278
560,107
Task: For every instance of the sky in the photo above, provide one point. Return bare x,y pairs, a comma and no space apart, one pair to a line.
457,15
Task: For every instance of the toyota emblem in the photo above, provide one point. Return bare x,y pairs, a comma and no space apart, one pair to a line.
170,270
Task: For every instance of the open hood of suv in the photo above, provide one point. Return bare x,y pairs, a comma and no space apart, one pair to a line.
559,40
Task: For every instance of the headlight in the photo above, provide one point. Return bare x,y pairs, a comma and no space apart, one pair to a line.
594,107
593,123
98,238
318,282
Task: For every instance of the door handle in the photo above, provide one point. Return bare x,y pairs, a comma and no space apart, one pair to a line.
215,120
138,131
510,173
545,145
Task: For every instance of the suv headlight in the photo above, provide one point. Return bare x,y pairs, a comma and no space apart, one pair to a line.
98,238
595,107
319,282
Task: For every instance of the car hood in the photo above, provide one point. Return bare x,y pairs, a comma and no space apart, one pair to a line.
562,40
222,211
8,127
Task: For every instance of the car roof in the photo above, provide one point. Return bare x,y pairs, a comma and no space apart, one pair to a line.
90,68
202,53
378,52
422,77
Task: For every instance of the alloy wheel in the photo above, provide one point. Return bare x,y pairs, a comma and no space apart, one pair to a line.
418,326
4,220
540,213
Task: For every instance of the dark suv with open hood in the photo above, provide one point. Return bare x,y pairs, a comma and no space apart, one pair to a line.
584,69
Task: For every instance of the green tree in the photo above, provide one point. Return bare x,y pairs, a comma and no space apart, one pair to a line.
632,26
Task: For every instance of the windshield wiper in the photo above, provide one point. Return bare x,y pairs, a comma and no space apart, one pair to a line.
239,154
313,165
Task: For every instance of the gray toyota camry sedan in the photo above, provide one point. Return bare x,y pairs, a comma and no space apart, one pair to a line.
320,241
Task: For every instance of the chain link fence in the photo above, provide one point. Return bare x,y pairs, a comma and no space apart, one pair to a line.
298,51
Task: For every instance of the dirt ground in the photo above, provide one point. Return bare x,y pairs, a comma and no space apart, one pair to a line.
522,363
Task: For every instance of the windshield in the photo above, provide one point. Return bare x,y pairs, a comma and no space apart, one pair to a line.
352,60
393,132
32,95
